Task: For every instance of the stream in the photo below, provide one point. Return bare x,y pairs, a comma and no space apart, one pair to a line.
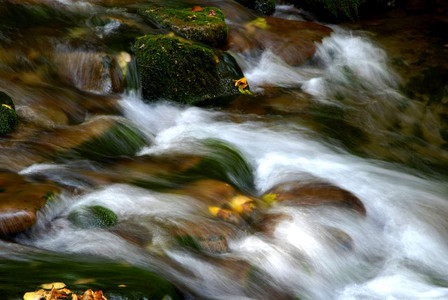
351,116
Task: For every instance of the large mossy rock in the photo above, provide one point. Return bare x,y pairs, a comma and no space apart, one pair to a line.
200,24
8,116
20,200
266,7
178,70
332,10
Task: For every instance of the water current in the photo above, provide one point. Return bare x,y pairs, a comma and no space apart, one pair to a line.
342,117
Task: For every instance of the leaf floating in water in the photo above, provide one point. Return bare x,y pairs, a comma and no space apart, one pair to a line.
196,8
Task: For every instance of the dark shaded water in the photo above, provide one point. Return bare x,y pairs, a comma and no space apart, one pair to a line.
368,114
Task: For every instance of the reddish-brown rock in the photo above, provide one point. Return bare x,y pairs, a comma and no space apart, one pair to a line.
20,201
316,193
293,41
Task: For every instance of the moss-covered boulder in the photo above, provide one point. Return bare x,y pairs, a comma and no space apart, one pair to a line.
95,216
175,69
332,10
266,7
8,116
20,200
200,24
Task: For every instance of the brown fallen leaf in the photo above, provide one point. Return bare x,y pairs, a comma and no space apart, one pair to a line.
212,13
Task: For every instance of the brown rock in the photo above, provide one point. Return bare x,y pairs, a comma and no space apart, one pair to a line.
207,236
294,41
90,71
316,193
20,201
209,191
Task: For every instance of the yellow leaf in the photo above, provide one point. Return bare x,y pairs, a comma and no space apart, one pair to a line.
122,285
241,82
55,285
34,295
269,198
216,59
7,106
260,23
241,204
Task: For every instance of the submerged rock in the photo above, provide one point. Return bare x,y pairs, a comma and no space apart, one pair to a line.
20,200
201,24
314,194
8,116
205,236
182,71
293,41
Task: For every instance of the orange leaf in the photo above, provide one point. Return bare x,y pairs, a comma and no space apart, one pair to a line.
241,82
196,8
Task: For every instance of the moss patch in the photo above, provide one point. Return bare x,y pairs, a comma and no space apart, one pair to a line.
8,116
92,217
119,140
266,7
206,26
178,70
333,10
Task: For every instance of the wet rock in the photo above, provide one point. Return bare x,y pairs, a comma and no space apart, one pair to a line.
266,7
95,216
205,236
293,41
332,10
339,240
304,193
201,24
210,192
133,232
268,222
184,72
20,201
8,116
90,71
98,139
46,117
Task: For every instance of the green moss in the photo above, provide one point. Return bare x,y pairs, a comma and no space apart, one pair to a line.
178,70
266,7
120,140
8,116
92,217
333,10
206,26
221,161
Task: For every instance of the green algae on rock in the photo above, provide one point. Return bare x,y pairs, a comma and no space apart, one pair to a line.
95,216
204,24
266,7
182,71
8,116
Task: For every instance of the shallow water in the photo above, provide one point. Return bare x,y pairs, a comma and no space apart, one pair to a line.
343,117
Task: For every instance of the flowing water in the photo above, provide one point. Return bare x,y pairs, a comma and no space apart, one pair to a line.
343,117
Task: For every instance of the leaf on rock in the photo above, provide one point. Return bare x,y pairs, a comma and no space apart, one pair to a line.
212,13
62,293
242,204
269,198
